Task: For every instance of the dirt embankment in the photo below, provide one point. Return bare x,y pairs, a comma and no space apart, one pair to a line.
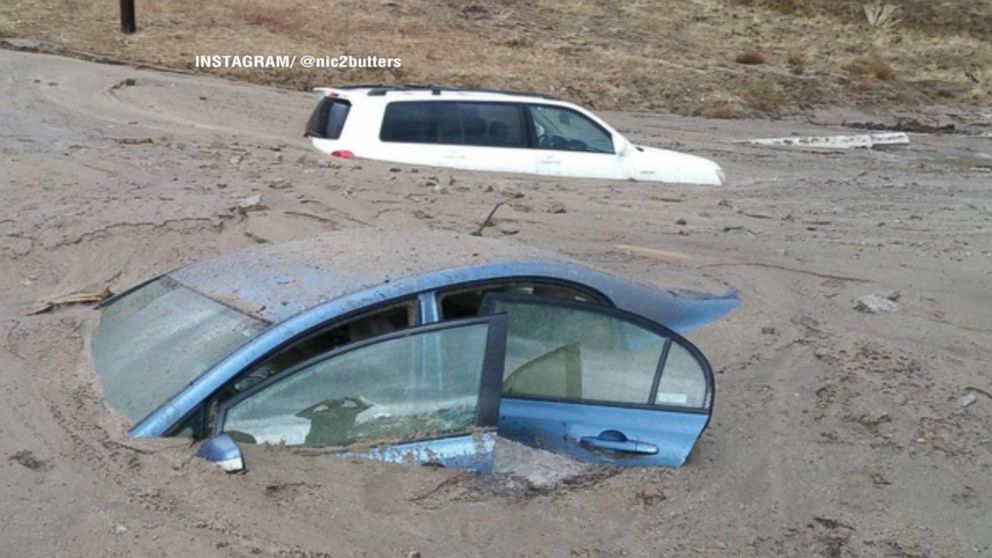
717,58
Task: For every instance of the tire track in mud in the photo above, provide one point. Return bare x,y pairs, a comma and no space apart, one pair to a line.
774,371
97,98
831,385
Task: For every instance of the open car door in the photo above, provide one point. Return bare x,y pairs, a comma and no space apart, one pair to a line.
427,394
600,384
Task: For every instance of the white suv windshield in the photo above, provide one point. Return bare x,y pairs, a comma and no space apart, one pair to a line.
151,343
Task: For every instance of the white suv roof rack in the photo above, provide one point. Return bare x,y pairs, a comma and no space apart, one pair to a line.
380,90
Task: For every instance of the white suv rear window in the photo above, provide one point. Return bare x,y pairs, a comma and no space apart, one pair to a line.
487,124
327,120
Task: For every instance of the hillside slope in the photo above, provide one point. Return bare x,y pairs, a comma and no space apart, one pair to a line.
722,58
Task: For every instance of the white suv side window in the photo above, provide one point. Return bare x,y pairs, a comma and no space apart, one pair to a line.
493,124
410,122
484,124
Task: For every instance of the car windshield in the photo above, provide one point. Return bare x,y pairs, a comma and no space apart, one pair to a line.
154,341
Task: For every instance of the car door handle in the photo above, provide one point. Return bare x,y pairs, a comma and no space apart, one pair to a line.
614,440
550,161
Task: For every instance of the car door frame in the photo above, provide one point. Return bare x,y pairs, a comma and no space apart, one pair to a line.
495,158
426,307
487,402
487,308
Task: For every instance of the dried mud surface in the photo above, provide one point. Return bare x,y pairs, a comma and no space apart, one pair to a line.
836,433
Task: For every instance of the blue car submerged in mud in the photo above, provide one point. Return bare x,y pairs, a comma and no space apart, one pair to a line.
409,347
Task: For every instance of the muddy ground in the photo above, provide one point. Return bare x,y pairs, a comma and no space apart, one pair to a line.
836,433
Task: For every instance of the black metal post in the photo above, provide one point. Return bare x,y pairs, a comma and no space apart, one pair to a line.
128,24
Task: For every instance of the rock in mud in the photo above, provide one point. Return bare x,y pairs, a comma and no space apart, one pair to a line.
875,303
967,399
251,203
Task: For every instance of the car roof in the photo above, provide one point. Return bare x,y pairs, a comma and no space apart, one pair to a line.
276,281
357,93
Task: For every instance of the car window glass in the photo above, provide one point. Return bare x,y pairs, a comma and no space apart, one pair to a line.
379,322
449,124
153,342
454,123
188,428
327,119
410,122
412,387
683,380
562,128
493,124
567,352
466,302
335,119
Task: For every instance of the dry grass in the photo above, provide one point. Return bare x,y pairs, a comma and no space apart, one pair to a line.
277,19
873,66
750,57
882,15
797,63
519,42
721,110
781,6
6,28
970,17
666,55
766,96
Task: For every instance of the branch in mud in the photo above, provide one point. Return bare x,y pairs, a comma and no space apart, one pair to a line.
74,298
487,222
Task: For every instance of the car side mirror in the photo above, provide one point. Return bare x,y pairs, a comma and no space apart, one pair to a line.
224,451
622,145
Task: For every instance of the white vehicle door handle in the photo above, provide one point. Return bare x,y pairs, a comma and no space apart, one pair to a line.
550,160
454,156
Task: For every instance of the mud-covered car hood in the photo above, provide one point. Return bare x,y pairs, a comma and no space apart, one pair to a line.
655,163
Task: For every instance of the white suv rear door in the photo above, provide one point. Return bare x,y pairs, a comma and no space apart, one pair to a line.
470,135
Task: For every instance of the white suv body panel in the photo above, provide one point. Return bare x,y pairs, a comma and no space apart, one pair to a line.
360,137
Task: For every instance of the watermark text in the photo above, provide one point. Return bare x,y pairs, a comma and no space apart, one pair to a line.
292,61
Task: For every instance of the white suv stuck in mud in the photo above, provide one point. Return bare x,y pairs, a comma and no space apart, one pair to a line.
489,131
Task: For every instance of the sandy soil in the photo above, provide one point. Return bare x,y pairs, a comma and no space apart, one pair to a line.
836,433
